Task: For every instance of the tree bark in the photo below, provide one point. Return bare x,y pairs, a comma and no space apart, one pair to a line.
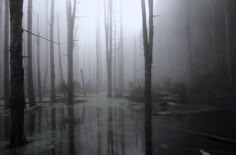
6,81
38,64
17,98
52,64
30,57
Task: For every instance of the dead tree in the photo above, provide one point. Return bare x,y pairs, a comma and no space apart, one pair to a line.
98,54
59,51
46,55
115,57
189,43
121,57
17,98
6,57
38,63
52,64
30,57
70,12
108,36
148,34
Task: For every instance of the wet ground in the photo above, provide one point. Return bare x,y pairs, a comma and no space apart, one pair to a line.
98,125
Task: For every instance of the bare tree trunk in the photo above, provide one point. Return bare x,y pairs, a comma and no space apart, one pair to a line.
227,40
53,90
6,57
38,64
115,58
70,46
98,57
84,89
148,47
46,58
59,50
17,98
30,57
189,44
121,57
135,63
108,37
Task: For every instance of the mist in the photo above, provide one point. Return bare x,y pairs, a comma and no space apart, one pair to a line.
116,77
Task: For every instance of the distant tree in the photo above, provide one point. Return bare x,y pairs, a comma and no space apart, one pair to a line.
108,36
6,81
30,56
189,42
46,47
115,57
17,98
148,54
98,54
70,12
121,57
52,64
38,63
59,51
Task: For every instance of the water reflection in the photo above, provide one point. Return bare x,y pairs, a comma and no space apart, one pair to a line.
99,126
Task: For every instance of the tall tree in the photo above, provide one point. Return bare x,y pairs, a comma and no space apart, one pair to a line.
46,55
59,51
189,42
98,54
17,98
6,57
30,56
227,40
108,36
148,34
121,57
38,63
115,57
52,65
70,46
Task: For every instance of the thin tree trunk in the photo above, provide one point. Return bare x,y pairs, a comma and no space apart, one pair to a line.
121,57
6,57
84,89
115,59
30,57
189,44
46,58
38,64
98,58
109,60
53,91
17,98
59,50
227,40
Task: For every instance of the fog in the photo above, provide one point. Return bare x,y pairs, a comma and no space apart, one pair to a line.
117,77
